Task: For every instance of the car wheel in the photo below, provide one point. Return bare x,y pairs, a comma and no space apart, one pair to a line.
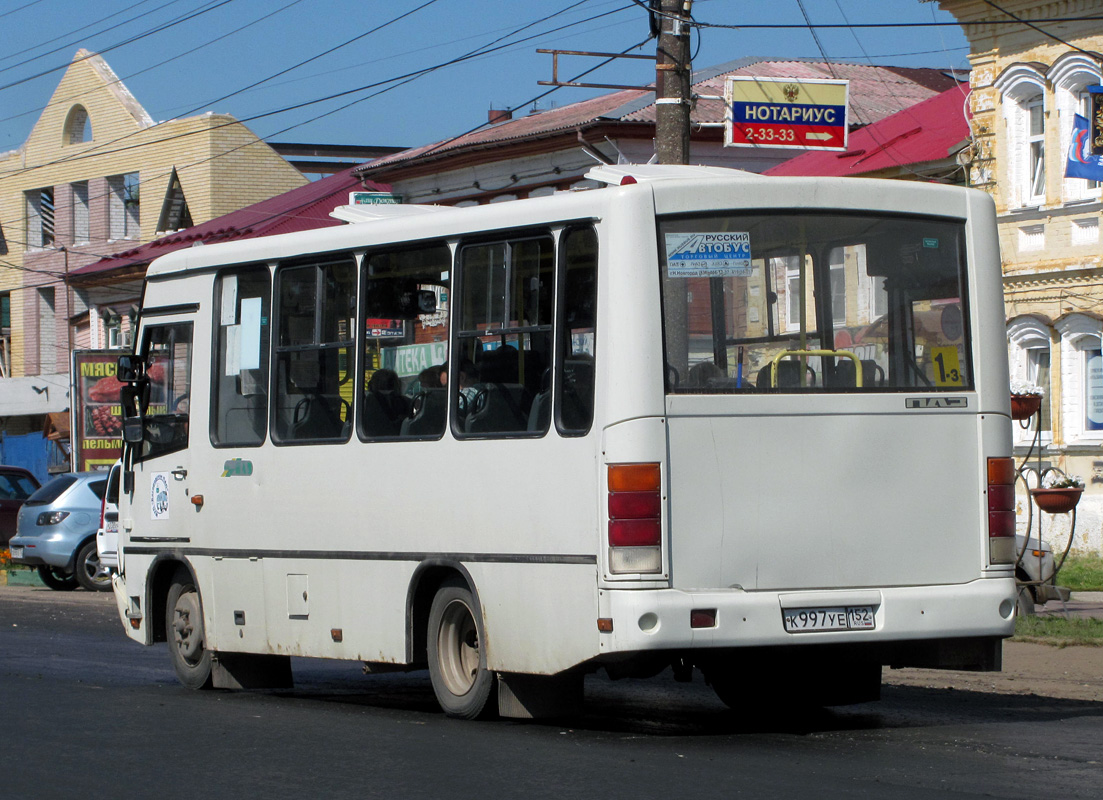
1024,603
91,574
57,579
184,631
457,659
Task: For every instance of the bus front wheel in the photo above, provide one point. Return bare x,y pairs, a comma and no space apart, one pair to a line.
191,660
457,658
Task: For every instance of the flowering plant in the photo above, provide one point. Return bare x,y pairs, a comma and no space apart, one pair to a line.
1025,388
1056,480
5,558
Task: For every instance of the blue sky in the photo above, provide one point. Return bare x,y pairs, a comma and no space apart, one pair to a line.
211,61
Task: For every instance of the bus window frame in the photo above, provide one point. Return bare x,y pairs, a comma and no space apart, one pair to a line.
319,261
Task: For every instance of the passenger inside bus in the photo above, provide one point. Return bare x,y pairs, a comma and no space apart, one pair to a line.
385,407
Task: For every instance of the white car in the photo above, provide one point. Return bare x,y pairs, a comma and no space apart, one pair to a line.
107,536
1035,574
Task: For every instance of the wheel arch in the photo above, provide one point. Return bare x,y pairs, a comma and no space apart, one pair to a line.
426,581
160,575
72,565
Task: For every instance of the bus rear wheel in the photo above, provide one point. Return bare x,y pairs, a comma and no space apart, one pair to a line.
184,632
457,658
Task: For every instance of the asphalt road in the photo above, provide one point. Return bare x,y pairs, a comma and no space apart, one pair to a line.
88,712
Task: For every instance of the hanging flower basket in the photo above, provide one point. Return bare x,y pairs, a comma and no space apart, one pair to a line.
1057,501
1025,406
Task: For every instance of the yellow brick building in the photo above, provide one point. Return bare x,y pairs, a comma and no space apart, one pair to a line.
1030,77
97,176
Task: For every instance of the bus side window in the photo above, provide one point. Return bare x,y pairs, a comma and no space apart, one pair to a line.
314,355
240,386
577,332
405,329
505,331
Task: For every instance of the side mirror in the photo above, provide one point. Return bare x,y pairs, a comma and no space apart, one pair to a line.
130,369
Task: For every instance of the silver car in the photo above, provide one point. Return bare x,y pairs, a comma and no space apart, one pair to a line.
56,532
1035,573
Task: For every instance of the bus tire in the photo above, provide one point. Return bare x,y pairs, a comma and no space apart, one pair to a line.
457,659
185,634
56,578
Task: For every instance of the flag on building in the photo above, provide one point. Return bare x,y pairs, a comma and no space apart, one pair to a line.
1081,163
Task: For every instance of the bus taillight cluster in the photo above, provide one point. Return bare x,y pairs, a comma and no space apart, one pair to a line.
635,518
1001,510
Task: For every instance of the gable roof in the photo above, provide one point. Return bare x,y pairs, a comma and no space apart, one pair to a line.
301,209
930,131
875,92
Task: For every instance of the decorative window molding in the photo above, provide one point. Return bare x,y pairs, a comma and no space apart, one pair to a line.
1029,341
78,126
1032,237
1070,76
1022,89
1084,231
1081,378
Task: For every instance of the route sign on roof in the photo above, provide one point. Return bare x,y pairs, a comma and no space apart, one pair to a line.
782,112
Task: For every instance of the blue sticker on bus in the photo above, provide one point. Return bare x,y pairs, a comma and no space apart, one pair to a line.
708,255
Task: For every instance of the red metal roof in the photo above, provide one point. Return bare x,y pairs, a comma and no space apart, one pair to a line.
301,209
926,132
875,92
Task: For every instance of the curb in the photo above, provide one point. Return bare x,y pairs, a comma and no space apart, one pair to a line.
19,577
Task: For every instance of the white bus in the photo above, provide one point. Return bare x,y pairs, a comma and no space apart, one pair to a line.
757,427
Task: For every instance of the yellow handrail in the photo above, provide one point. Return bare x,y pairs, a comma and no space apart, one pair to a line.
833,353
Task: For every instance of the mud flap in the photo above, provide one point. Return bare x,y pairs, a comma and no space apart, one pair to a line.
539,696
251,671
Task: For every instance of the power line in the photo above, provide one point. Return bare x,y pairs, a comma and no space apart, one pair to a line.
398,80
137,37
1022,21
837,25
163,63
15,53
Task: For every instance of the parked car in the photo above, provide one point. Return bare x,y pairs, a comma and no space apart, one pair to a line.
107,537
16,485
1035,574
56,532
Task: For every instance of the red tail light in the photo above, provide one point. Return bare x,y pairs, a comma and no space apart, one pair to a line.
1001,510
635,518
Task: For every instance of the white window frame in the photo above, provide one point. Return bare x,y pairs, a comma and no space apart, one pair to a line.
1027,339
1035,153
1020,86
1080,335
81,220
1070,76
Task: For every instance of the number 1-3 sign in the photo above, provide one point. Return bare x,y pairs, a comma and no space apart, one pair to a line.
785,112
947,368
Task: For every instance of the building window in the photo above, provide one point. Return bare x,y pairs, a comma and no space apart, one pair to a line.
1022,88
78,127
1081,379
124,204
838,288
1036,150
40,217
1029,359
47,331
80,212
175,214
1070,76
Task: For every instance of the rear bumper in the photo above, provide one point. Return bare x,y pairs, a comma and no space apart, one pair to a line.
660,620
55,550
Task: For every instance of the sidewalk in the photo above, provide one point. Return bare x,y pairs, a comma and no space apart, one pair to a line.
1081,604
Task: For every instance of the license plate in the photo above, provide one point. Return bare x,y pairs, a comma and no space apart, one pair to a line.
835,618
111,527
17,552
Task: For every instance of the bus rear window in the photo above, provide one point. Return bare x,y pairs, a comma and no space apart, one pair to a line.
808,302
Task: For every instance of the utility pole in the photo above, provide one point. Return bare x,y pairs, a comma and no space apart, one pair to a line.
672,82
